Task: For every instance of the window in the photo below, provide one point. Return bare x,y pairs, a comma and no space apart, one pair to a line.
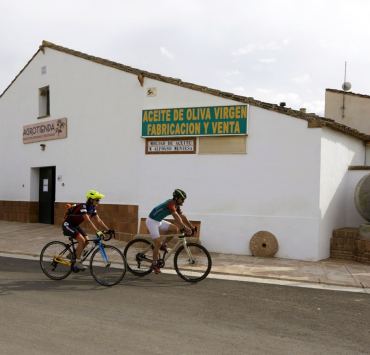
44,102
223,145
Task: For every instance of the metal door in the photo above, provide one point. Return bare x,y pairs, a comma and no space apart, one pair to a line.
47,195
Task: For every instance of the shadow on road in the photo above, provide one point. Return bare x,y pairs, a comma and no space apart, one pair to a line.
18,275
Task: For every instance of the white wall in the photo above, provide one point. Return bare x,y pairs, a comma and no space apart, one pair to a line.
101,106
271,188
275,187
337,184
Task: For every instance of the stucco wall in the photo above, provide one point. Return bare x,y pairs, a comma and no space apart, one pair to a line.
356,113
337,184
271,188
275,187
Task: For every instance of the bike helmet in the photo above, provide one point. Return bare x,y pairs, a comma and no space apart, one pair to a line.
94,195
179,194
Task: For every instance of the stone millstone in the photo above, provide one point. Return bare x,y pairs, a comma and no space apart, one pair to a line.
263,243
362,197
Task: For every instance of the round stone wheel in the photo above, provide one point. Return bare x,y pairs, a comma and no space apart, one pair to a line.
362,197
263,243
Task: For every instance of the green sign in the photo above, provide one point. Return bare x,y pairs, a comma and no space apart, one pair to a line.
195,121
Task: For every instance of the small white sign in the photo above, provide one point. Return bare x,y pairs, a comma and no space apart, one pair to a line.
170,146
45,185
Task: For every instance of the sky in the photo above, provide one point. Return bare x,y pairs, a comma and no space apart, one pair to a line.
271,50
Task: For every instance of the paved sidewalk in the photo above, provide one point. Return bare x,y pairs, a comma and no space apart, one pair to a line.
29,238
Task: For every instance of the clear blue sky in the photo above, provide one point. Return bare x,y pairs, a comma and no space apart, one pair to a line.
274,51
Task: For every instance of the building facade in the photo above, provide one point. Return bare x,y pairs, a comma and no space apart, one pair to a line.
348,108
70,122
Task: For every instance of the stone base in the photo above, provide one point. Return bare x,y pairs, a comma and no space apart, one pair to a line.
364,231
122,218
347,243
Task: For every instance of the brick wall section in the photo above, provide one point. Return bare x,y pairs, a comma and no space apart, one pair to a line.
346,244
19,211
122,218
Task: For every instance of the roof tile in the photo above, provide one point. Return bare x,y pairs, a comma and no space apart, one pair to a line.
312,119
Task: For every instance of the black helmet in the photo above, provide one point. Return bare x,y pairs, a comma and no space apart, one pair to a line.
179,194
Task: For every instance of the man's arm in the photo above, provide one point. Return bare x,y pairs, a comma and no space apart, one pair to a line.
181,223
88,219
187,222
100,221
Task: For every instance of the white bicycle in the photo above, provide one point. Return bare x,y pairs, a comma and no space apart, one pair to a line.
192,261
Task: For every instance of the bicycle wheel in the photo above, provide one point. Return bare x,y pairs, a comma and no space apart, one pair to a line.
193,262
54,262
109,267
139,256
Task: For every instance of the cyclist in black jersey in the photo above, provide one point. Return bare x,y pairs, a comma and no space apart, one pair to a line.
79,213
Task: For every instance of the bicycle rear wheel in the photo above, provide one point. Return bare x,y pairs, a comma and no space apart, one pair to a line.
193,262
139,256
107,267
54,262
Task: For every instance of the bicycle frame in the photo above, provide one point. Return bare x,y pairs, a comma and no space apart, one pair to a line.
181,240
97,244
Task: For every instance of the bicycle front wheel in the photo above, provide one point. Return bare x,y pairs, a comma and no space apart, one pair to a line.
55,260
139,256
192,262
107,265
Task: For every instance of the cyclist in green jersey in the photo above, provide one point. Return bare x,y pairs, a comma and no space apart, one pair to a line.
156,223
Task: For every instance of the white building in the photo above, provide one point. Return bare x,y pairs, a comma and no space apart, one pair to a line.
287,174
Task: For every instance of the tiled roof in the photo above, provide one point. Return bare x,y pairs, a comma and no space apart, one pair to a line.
312,119
348,93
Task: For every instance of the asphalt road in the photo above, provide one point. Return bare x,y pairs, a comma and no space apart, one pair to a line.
161,314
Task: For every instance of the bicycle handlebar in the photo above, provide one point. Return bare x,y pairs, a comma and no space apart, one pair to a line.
193,231
109,234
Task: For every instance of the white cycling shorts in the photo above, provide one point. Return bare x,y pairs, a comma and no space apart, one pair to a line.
155,227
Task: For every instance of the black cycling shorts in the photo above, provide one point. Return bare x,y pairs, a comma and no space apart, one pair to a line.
72,231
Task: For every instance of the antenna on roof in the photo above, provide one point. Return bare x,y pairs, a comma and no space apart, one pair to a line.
346,84
346,87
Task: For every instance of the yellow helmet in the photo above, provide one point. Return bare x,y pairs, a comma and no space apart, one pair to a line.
94,195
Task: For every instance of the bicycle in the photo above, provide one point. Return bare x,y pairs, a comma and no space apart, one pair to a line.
107,263
192,261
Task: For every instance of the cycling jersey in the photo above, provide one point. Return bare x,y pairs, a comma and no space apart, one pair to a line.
164,209
77,215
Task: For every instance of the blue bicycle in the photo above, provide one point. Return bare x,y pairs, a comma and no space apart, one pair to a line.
107,264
